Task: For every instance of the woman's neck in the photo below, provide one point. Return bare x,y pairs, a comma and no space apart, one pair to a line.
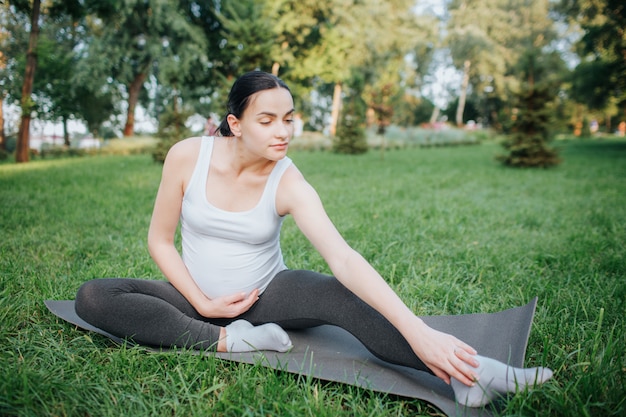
240,160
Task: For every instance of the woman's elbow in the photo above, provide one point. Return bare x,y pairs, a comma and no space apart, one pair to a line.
156,241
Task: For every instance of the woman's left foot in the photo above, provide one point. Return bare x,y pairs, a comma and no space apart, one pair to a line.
494,378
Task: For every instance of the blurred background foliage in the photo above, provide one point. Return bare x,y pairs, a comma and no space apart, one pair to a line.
352,65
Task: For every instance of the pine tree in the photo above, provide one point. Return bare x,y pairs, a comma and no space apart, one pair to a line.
350,137
527,144
530,127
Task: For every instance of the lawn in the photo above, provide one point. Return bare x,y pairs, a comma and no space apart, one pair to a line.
449,228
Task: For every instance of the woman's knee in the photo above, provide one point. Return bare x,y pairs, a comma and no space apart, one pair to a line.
308,282
90,297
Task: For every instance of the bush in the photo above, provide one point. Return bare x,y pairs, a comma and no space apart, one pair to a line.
162,148
172,129
11,143
60,152
311,141
132,145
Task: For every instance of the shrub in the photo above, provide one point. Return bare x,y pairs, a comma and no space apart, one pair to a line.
172,129
132,145
52,151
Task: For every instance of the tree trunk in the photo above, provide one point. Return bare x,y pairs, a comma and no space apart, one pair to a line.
133,98
275,68
495,121
66,134
276,65
464,83
23,136
335,111
3,138
434,116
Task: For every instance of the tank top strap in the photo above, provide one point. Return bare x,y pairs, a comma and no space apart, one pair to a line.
279,170
276,175
201,170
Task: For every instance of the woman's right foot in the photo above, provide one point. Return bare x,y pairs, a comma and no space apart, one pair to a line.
241,336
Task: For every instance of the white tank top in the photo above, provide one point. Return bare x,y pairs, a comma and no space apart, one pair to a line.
229,252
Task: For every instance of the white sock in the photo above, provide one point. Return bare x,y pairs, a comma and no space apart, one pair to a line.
241,336
495,377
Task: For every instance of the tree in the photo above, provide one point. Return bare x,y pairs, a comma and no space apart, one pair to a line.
531,122
249,37
172,71
55,91
130,37
538,75
419,67
5,37
396,64
94,107
599,80
66,87
477,45
54,85
486,38
350,137
23,136
346,36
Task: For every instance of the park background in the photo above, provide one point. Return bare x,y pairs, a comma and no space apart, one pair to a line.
414,115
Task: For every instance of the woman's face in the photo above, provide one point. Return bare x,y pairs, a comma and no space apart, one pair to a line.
266,126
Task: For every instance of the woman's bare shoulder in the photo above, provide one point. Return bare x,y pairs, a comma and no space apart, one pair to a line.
181,160
292,177
294,190
184,150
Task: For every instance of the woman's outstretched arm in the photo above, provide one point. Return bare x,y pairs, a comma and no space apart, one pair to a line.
444,354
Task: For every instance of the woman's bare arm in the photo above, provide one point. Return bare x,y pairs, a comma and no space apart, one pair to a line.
177,171
444,354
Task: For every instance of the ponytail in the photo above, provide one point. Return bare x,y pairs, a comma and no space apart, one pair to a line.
239,97
224,128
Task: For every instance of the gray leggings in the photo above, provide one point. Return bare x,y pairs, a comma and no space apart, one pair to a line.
155,313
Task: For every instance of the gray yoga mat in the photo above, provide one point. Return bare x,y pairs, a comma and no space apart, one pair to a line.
332,354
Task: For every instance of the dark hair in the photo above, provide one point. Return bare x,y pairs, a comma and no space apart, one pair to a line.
245,86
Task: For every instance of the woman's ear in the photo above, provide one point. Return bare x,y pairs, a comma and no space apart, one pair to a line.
233,123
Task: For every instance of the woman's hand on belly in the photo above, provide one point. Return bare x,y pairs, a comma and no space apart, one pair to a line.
229,306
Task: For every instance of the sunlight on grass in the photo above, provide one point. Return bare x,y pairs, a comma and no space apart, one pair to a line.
38,165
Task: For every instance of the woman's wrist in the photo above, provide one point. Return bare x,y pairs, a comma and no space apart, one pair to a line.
203,305
414,329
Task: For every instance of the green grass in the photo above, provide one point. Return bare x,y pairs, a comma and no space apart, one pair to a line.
450,229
